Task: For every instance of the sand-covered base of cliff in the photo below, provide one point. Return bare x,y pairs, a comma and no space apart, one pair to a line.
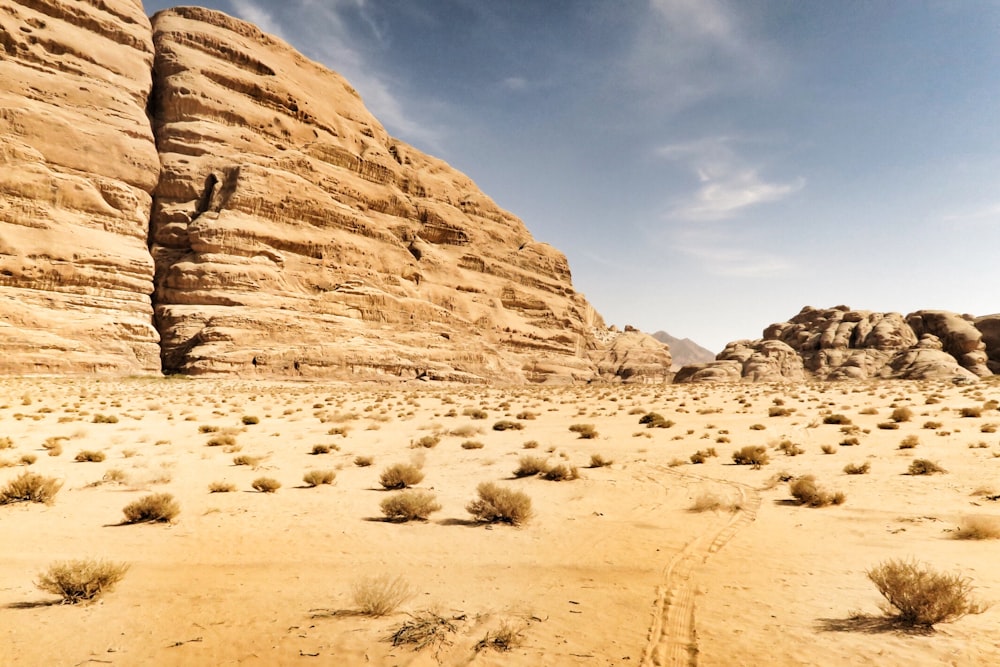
613,568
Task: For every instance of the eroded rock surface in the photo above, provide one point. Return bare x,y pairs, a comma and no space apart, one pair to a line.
293,236
843,344
78,165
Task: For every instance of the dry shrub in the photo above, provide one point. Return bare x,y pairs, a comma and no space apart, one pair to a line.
888,426
909,442
246,460
475,413
561,473
207,428
531,465
585,431
598,461
221,441
266,484
971,412
531,444
751,455
424,629
250,420
779,411
655,420
807,492
29,487
363,461
932,425
921,596
978,528
6,442
837,419
924,467
507,425
497,504
409,505
711,502
81,580
472,444
854,469
828,449
89,456
317,477
54,445
380,595
790,448
154,507
27,459
105,419
465,431
320,449
427,441
400,476
221,487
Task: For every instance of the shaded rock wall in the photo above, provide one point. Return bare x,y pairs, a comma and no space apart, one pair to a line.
78,165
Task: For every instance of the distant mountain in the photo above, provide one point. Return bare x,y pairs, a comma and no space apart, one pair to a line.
684,350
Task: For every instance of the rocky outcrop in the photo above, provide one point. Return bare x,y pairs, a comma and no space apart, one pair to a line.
684,351
634,357
78,165
293,236
989,327
844,344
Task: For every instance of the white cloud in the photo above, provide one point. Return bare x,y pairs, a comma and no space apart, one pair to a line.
727,184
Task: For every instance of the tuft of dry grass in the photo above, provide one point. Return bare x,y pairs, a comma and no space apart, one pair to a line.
81,580
317,477
901,414
380,595
531,465
807,492
161,507
409,505
978,528
505,638
751,455
424,629
909,442
598,461
246,460
363,461
497,504
401,476
585,431
711,502
924,467
221,487
922,597
561,473
472,444
854,469
29,487
89,456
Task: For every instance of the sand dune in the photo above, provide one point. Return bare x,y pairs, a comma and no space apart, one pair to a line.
613,568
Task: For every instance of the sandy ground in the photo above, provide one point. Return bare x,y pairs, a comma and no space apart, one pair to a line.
613,568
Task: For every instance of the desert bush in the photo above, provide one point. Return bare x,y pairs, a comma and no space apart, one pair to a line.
777,411
381,595
585,431
152,508
837,419
29,487
265,484
854,469
363,461
426,628
978,528
932,425
909,442
81,580
828,449
531,444
427,442
409,505
531,465
115,476
757,427
472,444
921,596
317,477
850,442
751,455
561,473
507,425
320,449
924,467
807,492
505,638
988,428
207,428
497,504
53,445
246,460
901,414
975,411
710,502
526,415
598,461
475,413
221,487
888,426
400,476
250,420
27,459
105,419
655,420
89,456
6,443
221,441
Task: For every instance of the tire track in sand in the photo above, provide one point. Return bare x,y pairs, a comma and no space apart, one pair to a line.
672,638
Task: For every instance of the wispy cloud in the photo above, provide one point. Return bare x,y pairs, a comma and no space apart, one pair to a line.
337,33
689,50
727,183
728,253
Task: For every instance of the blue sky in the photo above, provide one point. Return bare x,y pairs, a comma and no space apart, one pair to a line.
707,166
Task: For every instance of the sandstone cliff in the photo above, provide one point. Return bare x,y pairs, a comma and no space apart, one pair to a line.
290,234
844,344
77,167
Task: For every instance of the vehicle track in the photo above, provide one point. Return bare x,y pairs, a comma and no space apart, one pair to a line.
672,638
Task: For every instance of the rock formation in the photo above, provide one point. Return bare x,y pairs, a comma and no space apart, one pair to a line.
290,234
844,344
77,167
684,351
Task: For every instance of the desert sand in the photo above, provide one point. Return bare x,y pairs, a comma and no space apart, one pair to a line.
613,568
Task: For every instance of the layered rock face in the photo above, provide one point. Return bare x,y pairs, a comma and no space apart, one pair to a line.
293,236
78,165
844,344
